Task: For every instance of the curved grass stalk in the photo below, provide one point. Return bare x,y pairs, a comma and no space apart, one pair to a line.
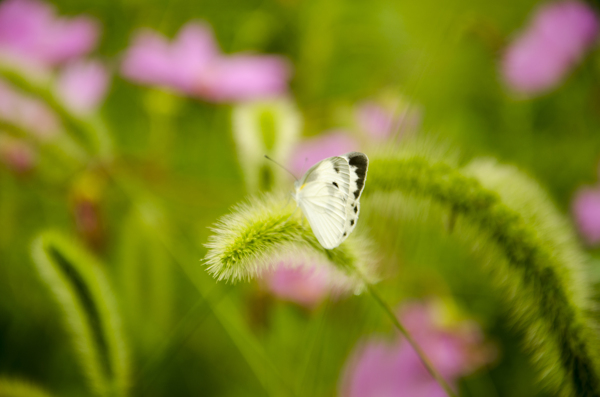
84,295
537,262
541,270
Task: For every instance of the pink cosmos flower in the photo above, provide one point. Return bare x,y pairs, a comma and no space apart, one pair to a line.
30,32
311,151
82,85
193,64
26,112
379,368
556,40
586,209
307,285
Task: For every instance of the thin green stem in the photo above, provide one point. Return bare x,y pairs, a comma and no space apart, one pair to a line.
388,310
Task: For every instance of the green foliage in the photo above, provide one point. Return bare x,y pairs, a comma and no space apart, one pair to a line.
443,58
81,289
10,387
529,250
263,232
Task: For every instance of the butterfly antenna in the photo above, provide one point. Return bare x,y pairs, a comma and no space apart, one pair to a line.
290,172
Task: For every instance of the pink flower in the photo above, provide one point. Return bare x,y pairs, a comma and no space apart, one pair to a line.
309,152
31,32
586,208
381,122
556,40
307,285
380,368
27,113
192,64
82,85
375,120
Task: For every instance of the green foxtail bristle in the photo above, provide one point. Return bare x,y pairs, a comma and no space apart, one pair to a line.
536,261
257,235
80,287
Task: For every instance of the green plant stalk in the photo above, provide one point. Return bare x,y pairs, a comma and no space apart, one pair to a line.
539,282
144,272
430,368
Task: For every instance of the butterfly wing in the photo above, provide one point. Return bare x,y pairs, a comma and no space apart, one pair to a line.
329,194
322,195
358,164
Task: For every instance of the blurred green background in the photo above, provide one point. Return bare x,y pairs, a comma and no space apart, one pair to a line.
175,159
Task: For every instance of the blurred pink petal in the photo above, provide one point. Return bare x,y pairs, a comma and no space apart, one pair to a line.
244,77
82,85
192,64
152,60
450,349
311,151
30,31
375,120
586,208
556,40
383,122
26,112
306,285
17,154
392,368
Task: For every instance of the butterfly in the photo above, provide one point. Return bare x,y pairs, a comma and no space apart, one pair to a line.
328,195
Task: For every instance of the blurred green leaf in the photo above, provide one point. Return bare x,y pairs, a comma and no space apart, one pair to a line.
12,387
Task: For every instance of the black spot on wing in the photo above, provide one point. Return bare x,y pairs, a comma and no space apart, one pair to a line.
352,222
336,168
336,185
361,162
355,209
344,235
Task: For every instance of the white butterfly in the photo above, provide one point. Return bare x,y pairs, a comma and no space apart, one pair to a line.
328,195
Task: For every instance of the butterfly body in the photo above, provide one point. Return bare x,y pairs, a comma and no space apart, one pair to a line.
328,195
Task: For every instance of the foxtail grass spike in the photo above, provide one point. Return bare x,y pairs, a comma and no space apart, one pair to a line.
534,258
84,295
258,235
